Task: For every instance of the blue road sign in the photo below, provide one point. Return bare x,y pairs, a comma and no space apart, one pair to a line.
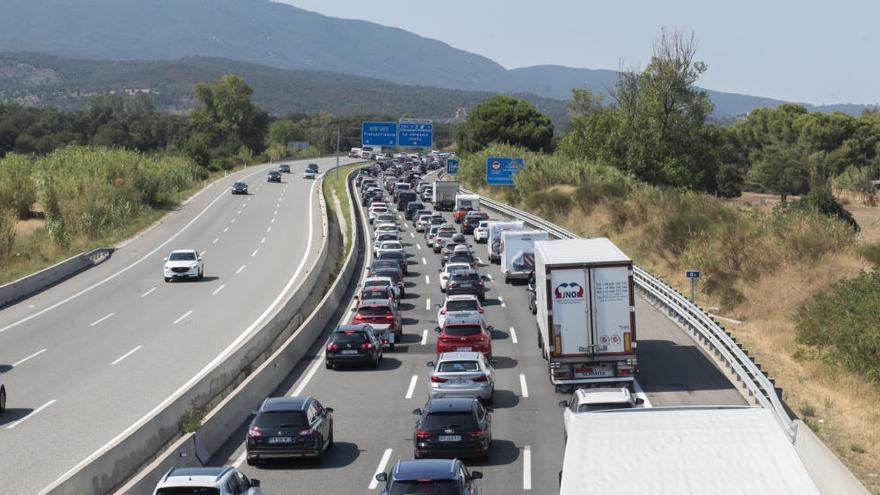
500,170
415,133
693,274
379,134
451,166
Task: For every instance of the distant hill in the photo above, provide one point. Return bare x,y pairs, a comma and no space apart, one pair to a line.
39,79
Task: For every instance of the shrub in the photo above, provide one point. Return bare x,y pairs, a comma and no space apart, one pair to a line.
7,233
871,253
550,204
17,189
822,201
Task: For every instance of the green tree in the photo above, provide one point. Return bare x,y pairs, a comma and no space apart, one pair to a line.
284,130
506,120
782,169
822,200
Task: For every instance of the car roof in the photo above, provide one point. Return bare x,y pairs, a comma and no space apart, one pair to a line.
459,356
462,248
450,404
194,476
463,318
184,251
363,327
435,469
462,297
285,404
603,395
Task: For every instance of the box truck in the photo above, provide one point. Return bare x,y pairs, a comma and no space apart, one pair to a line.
586,315
518,253
493,241
444,194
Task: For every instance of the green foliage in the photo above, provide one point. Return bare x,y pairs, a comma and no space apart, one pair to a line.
505,120
822,201
549,204
7,233
782,169
871,253
843,325
284,130
17,189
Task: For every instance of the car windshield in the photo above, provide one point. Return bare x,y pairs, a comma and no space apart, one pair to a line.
384,264
603,406
451,268
391,245
349,337
442,420
280,419
205,490
374,310
185,256
391,255
462,330
466,305
239,184
458,366
463,276
424,487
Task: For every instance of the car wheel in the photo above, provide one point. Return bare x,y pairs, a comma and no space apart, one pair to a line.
328,365
482,298
167,279
201,273
330,441
2,399
252,461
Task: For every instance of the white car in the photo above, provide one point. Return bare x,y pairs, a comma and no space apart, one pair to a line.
184,263
376,210
2,395
463,374
462,303
390,246
448,270
481,233
384,236
422,222
588,400
216,480
309,174
386,218
385,227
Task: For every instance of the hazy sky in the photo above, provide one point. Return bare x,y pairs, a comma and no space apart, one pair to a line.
808,50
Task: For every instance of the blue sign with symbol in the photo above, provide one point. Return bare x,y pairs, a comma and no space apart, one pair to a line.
693,274
452,166
379,134
418,134
500,170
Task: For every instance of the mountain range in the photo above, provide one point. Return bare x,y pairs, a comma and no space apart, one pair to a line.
285,37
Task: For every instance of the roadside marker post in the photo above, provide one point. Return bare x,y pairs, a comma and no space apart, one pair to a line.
694,276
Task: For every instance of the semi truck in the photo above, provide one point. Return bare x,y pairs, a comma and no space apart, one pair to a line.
444,194
493,241
586,317
518,253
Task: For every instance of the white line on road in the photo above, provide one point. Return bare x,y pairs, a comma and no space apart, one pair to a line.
187,314
218,289
424,337
428,304
412,386
273,220
215,241
238,212
412,235
129,353
380,468
240,269
263,240
255,252
501,300
269,230
233,220
24,360
147,293
225,230
31,306
424,261
427,280
641,394
276,212
99,320
522,384
527,468
419,247
513,336
29,416
305,380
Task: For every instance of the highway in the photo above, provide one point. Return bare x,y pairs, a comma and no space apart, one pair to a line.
89,357
373,420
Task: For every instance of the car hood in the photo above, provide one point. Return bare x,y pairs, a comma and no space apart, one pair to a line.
181,263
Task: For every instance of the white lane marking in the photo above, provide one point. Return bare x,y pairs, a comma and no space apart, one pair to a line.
182,317
424,337
305,380
490,277
412,235
218,289
123,270
204,252
263,240
427,280
225,230
527,468
276,212
522,384
380,468
233,220
31,306
641,394
513,335
424,261
147,293
215,241
419,247
269,230
255,252
239,269
99,320
501,300
24,360
129,353
29,416
428,304
273,220
238,212
412,386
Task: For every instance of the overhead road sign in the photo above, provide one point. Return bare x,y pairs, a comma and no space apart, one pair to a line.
452,166
500,170
379,134
415,133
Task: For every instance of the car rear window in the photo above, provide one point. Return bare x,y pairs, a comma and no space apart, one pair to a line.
204,490
280,419
467,305
424,487
462,330
441,420
349,337
458,366
374,310
376,283
391,255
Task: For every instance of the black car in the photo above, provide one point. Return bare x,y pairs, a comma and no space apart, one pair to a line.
469,224
404,198
395,275
452,427
284,168
397,256
411,208
377,265
289,427
459,257
239,188
466,282
430,476
353,344
313,167
274,176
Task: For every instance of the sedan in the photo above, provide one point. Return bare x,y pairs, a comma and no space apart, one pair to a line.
374,282
452,428
463,333
390,246
458,304
385,227
384,237
353,344
395,275
273,176
289,427
309,174
481,233
382,316
462,374
398,256
448,270
284,168
239,188
466,282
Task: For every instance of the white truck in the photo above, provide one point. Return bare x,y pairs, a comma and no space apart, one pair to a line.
444,194
370,152
586,312
493,242
518,253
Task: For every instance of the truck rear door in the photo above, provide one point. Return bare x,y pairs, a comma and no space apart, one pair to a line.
571,311
610,293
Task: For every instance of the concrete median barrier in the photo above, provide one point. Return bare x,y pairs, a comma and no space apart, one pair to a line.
47,277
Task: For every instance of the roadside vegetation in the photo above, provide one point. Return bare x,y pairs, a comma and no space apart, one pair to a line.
796,282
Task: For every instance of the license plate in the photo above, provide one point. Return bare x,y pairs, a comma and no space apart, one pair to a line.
458,381
351,351
450,438
280,439
466,285
593,372
464,349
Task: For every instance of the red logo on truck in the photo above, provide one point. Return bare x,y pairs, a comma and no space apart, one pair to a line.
568,292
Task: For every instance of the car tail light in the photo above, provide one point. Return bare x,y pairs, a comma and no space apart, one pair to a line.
476,433
358,317
332,346
255,432
438,379
453,284
625,372
423,434
481,378
479,283
305,433
367,346
389,317
562,374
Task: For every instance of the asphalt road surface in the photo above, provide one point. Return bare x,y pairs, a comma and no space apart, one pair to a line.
87,358
373,408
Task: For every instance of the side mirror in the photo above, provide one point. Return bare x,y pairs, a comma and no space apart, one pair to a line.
382,477
640,401
437,329
328,409
417,412
254,412
430,364
476,475
255,483
164,259
563,403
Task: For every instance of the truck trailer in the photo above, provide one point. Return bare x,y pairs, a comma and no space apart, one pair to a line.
586,317
444,194
518,253
493,240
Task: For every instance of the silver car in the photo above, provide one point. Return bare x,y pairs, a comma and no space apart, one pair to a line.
462,374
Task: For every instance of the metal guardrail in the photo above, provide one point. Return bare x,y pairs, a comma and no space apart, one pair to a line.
755,381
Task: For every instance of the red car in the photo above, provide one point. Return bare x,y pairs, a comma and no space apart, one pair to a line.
381,315
465,333
460,213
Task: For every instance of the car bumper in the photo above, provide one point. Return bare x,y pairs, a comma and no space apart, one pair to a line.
452,452
192,273
483,392
464,347
282,453
350,359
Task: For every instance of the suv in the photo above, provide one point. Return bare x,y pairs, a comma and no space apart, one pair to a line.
443,476
284,168
313,167
464,332
381,315
472,220
273,176
184,263
289,427
411,208
353,344
466,282
453,427
207,481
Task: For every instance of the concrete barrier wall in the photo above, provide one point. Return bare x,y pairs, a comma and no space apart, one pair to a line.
47,277
826,470
134,448
194,449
